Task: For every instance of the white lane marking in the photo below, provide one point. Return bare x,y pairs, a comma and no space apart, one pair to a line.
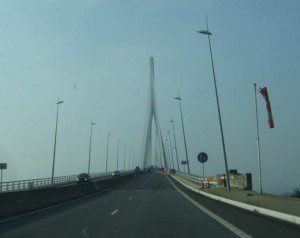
114,212
223,222
84,232
146,181
55,206
130,198
245,206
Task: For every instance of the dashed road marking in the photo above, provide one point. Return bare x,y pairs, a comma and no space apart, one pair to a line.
114,212
84,232
129,198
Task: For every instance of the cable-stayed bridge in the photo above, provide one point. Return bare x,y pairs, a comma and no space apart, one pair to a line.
152,129
134,203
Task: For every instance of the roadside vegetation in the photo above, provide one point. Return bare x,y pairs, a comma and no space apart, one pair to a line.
295,193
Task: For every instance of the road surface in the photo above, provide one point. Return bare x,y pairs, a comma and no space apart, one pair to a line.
146,206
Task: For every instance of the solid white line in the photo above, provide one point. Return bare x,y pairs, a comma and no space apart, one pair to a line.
259,210
223,222
114,212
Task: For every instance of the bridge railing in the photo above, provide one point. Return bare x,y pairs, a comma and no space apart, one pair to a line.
28,184
199,179
103,174
191,176
35,183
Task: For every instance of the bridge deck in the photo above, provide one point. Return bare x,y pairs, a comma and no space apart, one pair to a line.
146,206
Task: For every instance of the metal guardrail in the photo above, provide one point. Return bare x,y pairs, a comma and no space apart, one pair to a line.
197,179
190,175
34,183
28,184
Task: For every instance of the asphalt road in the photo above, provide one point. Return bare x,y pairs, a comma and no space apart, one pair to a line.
146,206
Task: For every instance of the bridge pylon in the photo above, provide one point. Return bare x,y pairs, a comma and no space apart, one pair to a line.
152,118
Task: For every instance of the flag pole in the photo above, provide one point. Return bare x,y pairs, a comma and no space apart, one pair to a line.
257,141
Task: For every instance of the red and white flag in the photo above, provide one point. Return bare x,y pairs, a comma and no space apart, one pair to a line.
264,92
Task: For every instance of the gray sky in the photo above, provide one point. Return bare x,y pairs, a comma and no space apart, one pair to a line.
95,55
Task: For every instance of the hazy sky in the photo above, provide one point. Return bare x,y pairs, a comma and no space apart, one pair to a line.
95,55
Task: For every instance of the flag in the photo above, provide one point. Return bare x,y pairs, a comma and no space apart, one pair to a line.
264,92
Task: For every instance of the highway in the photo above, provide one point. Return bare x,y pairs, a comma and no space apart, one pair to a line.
149,205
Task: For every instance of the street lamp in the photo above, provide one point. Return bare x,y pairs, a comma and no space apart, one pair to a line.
129,157
208,33
124,155
170,142
133,154
90,149
118,153
172,121
108,135
183,131
168,153
54,150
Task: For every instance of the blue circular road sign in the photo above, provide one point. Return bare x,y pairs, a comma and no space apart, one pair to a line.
202,157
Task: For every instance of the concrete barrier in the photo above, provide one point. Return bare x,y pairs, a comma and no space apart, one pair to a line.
18,202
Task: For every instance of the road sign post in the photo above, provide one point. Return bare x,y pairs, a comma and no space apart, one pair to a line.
2,167
202,158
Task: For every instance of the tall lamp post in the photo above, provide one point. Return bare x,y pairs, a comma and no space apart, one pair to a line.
90,149
118,153
55,136
124,155
129,157
133,154
175,145
183,131
108,135
168,153
208,33
170,142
